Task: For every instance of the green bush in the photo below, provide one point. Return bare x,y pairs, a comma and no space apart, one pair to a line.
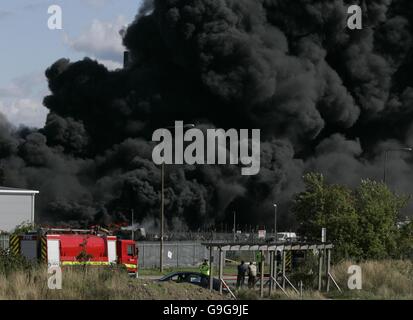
10,262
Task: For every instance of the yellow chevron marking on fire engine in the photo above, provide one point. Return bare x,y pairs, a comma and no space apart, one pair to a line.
14,244
87,263
94,263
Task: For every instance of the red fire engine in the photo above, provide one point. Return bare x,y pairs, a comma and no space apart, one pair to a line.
63,247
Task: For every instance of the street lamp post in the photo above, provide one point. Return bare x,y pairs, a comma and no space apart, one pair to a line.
408,149
235,227
161,247
162,216
275,222
133,232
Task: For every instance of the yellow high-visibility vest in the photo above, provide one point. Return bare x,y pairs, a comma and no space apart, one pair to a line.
258,257
204,269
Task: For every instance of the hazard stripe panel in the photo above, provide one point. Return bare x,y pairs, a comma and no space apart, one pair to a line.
43,249
288,261
14,244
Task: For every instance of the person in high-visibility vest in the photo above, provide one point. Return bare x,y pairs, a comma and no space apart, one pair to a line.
259,257
204,268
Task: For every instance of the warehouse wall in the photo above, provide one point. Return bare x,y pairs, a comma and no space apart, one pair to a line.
14,210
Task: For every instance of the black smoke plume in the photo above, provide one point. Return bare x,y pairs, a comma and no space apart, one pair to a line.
326,98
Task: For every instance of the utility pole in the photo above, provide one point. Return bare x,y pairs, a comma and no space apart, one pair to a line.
275,222
321,258
235,227
162,217
133,231
323,235
133,238
384,165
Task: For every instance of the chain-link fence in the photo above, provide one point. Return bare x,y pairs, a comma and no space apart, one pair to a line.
208,236
175,254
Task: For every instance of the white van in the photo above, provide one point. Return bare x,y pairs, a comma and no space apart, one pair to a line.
286,236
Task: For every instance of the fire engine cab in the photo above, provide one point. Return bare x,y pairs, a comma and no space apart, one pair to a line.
63,247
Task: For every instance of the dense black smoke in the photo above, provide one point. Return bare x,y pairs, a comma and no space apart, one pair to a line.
326,98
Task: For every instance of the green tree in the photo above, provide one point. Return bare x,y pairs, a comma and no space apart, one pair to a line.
405,241
330,206
378,209
361,224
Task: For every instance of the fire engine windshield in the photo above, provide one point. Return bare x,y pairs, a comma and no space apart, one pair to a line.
131,250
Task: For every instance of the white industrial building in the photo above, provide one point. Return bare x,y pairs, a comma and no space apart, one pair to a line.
16,207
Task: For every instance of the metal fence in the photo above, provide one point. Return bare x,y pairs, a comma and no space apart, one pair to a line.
175,254
4,241
207,236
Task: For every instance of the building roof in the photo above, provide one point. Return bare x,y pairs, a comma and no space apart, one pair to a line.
6,190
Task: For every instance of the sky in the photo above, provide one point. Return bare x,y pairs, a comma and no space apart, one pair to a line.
28,47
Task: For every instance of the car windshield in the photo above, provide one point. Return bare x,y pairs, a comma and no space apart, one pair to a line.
169,276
